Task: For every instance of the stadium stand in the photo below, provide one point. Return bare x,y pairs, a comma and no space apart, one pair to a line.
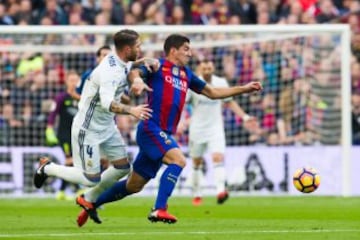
29,82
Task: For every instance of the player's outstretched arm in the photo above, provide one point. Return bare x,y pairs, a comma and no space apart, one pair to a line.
224,92
141,112
249,122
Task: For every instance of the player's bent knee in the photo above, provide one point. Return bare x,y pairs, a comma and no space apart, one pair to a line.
135,182
197,161
134,187
218,158
180,162
92,179
175,156
122,166
120,163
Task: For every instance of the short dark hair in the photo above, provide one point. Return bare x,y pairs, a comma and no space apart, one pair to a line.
98,52
206,60
124,38
176,41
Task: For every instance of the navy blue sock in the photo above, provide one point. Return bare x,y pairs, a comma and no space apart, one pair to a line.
167,184
114,193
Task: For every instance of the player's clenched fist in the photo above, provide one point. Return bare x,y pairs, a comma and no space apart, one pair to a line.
253,87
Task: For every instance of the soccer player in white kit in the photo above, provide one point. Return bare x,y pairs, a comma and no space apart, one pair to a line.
94,132
206,132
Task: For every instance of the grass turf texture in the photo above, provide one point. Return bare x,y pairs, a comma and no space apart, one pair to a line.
254,218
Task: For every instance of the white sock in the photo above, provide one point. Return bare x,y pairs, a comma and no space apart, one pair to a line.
70,174
196,183
110,176
219,175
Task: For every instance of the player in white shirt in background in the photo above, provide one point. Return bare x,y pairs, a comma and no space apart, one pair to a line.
206,132
94,132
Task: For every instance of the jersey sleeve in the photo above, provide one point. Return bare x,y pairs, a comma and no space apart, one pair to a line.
196,84
107,77
145,72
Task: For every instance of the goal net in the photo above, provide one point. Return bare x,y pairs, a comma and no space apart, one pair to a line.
304,71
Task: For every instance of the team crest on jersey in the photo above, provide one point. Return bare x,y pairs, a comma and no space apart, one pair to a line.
182,74
165,137
89,163
175,71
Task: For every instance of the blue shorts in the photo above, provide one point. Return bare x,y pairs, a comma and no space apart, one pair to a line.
153,143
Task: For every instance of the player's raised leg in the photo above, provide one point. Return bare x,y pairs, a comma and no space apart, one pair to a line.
47,168
86,157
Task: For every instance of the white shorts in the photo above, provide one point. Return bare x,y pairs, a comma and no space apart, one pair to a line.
213,145
88,147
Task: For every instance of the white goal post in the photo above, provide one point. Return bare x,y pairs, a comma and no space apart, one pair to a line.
259,33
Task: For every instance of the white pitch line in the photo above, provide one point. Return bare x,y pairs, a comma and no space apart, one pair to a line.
172,233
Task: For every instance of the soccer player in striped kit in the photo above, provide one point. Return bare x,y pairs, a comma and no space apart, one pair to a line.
154,136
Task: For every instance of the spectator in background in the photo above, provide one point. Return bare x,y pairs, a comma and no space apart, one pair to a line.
355,77
55,12
11,126
177,16
264,8
355,100
196,11
221,11
40,96
89,11
243,62
301,91
113,10
328,11
25,13
206,15
271,122
64,110
5,19
30,63
137,10
245,9
18,94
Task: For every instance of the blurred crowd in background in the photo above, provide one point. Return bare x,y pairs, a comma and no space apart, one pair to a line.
301,76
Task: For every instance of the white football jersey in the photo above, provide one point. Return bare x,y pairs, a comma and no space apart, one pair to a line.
105,84
206,119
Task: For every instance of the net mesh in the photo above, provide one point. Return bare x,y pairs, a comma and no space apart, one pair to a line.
300,103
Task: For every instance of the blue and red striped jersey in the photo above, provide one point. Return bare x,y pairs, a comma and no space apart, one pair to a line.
170,84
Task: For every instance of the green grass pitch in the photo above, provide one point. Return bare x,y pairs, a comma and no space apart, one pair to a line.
255,218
